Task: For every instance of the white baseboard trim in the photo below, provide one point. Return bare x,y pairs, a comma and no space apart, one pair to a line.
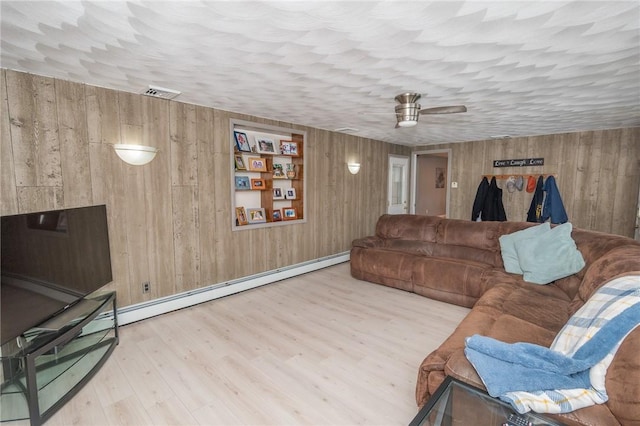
163,305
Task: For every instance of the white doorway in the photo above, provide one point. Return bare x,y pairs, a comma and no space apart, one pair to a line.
431,182
398,189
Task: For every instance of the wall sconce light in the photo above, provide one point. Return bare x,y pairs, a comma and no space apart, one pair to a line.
354,168
136,155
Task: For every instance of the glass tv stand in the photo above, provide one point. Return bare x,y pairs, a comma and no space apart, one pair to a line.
48,365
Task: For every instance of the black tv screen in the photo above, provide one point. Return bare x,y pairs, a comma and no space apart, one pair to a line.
49,261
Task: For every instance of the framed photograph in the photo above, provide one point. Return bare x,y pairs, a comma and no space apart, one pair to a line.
241,216
240,163
242,142
258,184
242,183
440,179
278,171
289,213
265,146
290,194
278,194
256,215
277,215
289,148
257,164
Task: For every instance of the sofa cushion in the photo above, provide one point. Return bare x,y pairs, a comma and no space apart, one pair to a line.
465,254
549,256
368,242
410,246
508,245
391,268
480,235
623,381
593,245
449,280
618,261
545,306
408,226
569,285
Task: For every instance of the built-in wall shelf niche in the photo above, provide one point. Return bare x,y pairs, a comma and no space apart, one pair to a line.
267,167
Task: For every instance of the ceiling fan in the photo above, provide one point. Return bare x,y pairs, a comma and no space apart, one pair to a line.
408,109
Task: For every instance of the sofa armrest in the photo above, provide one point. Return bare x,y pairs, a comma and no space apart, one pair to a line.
459,367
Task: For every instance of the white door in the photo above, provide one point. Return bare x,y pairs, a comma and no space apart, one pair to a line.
398,192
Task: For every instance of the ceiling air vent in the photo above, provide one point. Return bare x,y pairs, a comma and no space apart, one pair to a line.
160,92
346,130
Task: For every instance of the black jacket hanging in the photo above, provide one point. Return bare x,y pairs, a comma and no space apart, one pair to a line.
493,207
478,203
535,210
487,205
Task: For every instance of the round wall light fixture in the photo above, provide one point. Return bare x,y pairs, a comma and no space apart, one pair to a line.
136,155
354,168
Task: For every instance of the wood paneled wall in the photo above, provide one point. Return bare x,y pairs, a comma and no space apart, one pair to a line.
169,221
598,175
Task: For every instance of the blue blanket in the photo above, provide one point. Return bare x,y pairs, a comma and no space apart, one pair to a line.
527,367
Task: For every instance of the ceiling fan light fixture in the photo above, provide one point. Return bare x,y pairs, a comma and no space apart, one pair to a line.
407,123
407,114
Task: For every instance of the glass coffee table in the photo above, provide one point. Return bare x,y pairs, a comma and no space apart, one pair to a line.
457,403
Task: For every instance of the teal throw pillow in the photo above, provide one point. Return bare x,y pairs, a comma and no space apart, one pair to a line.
550,256
508,245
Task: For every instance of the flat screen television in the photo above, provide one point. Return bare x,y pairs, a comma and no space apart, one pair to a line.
50,260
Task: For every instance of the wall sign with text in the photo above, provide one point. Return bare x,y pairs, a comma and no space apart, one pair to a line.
519,162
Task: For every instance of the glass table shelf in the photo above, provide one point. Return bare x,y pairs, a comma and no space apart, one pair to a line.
50,365
457,403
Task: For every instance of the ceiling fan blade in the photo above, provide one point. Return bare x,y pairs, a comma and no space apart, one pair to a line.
444,110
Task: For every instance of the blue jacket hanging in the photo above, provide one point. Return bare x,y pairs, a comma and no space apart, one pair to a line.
553,207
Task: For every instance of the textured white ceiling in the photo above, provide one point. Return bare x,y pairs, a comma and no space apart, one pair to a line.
520,67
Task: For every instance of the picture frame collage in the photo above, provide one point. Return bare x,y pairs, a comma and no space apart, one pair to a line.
252,159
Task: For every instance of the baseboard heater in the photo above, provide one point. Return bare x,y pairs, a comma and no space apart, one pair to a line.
163,305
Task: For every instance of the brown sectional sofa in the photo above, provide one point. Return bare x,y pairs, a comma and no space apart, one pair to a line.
460,262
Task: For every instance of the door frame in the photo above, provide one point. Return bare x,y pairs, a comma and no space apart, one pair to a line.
414,177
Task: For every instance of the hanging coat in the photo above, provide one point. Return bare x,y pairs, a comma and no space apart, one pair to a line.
553,207
535,210
493,207
478,203
487,205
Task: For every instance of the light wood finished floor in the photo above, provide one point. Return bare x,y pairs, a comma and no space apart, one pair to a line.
318,349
